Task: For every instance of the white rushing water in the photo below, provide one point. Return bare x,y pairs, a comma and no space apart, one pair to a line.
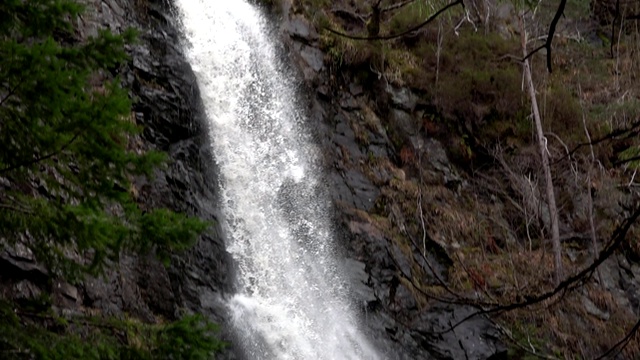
293,303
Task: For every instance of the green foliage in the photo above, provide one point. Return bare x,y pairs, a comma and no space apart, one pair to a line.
526,342
65,161
188,338
619,114
45,336
631,156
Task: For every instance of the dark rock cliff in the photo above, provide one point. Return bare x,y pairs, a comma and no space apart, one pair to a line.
361,154
167,103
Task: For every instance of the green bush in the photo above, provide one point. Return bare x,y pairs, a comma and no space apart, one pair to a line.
45,336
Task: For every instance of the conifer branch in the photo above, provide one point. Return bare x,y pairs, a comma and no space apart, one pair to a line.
15,208
11,91
41,158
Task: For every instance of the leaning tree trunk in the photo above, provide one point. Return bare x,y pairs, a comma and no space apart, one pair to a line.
542,144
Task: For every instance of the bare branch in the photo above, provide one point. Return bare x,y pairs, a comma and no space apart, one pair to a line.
394,36
544,154
629,132
363,18
349,15
570,283
620,345
592,161
613,26
552,31
515,342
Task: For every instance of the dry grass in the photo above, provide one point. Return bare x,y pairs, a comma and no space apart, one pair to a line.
569,331
488,267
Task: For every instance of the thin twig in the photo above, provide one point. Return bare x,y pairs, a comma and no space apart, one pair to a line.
592,158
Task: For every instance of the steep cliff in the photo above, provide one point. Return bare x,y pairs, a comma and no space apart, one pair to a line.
436,180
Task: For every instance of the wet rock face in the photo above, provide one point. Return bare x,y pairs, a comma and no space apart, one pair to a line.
169,107
355,141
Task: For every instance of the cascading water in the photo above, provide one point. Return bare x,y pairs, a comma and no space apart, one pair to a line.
293,303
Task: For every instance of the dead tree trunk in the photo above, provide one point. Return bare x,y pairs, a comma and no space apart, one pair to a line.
544,154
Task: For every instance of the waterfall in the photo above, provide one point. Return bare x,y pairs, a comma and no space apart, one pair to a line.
293,303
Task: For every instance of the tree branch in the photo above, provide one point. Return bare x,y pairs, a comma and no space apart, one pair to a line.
569,283
12,91
16,209
629,132
626,161
613,26
394,36
343,13
620,345
355,16
552,31
41,158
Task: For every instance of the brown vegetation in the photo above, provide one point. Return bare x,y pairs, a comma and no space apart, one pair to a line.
467,68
